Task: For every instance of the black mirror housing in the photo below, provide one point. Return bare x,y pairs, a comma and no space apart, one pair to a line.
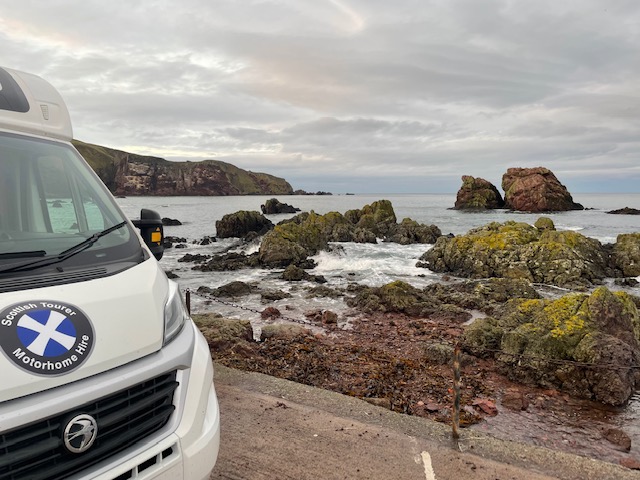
151,231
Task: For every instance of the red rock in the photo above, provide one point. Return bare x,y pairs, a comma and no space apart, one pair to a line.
514,400
536,190
432,407
486,405
632,463
270,312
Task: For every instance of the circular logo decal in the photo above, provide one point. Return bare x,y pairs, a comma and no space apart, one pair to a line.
80,433
45,337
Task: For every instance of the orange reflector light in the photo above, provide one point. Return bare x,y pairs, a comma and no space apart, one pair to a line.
156,237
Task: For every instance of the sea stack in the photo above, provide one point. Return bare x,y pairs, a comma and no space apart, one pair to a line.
536,190
477,194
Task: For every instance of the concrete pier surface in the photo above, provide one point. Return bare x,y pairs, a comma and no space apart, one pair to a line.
274,429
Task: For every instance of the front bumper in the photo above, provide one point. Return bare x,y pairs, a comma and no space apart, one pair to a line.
186,447
190,451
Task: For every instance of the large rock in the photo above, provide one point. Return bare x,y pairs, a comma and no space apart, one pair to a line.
278,251
294,273
409,231
400,297
274,206
438,300
478,194
536,190
378,217
583,344
222,333
519,250
396,296
486,295
292,241
283,332
225,262
241,223
625,211
626,254
378,220
232,290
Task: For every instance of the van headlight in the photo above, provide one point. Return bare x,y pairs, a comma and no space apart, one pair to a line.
175,313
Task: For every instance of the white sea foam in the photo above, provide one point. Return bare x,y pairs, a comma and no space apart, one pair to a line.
573,228
605,240
373,264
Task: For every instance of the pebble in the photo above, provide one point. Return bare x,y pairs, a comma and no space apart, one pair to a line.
618,438
632,463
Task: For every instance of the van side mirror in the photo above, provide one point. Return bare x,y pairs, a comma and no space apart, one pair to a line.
151,231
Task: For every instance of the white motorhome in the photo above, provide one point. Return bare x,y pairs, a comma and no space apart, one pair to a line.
103,375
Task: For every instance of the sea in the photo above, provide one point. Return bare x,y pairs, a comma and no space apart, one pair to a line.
369,264
381,263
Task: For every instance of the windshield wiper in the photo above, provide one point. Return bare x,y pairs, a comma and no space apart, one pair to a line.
70,252
62,256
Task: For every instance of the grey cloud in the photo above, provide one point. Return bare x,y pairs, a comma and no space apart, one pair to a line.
412,92
607,106
329,126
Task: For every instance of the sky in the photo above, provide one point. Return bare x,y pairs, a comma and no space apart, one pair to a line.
357,96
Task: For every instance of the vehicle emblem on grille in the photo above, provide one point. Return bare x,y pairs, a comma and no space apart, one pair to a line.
80,433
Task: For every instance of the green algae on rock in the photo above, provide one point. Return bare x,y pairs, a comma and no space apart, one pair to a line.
293,241
222,333
626,254
477,194
519,250
585,345
241,223
304,235
409,231
438,301
379,217
544,223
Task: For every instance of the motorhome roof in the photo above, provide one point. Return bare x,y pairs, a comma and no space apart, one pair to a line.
30,104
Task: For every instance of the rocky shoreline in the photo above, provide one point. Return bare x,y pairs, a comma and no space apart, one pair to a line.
523,351
404,364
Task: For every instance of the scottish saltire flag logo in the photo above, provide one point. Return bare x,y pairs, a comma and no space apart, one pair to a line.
46,333
45,337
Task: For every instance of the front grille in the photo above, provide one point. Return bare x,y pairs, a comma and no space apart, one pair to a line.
36,451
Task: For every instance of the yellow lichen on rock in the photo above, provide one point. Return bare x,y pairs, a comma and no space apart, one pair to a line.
567,315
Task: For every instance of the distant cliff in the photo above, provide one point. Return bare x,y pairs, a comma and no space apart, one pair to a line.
130,174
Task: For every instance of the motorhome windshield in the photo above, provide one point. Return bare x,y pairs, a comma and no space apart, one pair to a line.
51,202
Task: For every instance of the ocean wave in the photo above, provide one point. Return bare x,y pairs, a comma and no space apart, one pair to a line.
372,264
